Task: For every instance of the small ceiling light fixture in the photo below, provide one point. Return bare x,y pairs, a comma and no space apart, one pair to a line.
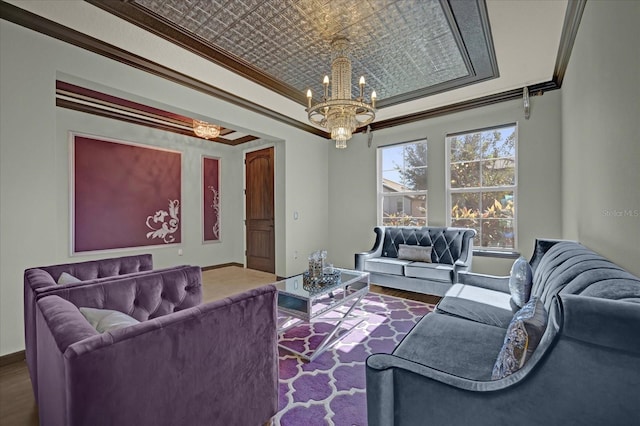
340,114
206,130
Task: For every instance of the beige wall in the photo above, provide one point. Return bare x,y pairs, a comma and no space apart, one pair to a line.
34,160
352,177
601,133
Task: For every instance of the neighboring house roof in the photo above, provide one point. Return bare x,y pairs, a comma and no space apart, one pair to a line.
393,186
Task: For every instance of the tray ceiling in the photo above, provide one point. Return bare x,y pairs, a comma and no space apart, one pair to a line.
405,49
263,55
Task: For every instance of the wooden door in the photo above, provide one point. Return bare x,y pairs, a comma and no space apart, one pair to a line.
259,194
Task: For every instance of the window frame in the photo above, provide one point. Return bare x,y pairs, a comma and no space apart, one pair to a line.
479,190
379,177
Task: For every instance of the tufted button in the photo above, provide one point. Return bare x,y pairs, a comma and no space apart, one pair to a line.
135,302
175,309
162,295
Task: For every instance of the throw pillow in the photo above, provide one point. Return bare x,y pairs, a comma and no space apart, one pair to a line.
67,279
523,336
104,320
415,253
520,282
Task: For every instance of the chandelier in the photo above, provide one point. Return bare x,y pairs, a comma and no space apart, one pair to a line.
206,130
340,114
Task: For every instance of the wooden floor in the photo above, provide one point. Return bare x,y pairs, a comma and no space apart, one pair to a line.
17,406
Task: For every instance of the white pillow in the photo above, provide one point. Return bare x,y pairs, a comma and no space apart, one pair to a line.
67,279
104,320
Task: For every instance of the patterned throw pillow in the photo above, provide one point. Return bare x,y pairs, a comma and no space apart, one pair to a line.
523,336
414,253
520,282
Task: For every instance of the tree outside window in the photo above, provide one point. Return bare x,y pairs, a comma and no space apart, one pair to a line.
482,184
402,184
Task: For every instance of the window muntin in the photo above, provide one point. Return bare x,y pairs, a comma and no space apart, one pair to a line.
482,184
402,184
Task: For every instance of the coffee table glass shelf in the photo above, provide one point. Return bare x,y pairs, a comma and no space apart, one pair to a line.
300,303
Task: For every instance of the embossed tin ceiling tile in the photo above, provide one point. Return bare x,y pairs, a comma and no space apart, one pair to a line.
177,9
194,18
401,47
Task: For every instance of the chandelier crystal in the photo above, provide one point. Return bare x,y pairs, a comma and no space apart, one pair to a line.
206,130
340,114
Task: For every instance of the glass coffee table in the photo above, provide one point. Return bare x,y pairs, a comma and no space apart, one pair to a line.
299,304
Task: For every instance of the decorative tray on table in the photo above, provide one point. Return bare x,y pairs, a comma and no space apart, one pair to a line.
317,284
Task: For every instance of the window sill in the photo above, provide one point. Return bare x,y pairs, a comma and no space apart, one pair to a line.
497,254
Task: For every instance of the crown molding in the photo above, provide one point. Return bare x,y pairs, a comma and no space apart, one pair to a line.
572,18
60,32
42,25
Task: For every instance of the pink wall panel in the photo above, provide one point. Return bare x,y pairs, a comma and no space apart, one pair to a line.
124,195
211,198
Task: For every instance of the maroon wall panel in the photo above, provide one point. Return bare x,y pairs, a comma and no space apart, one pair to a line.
211,197
124,195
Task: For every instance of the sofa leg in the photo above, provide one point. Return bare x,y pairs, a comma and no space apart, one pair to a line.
268,423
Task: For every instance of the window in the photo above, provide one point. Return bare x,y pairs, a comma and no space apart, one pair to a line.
402,184
482,184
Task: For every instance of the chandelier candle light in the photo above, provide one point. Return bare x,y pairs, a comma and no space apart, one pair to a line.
206,130
340,114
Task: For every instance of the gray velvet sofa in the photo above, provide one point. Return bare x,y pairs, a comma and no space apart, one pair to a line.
452,252
40,280
585,370
184,363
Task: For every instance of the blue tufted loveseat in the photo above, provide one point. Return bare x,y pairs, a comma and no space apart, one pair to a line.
451,253
584,371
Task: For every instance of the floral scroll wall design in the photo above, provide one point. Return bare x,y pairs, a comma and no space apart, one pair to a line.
164,223
215,205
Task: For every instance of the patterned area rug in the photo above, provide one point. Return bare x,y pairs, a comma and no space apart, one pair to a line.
330,390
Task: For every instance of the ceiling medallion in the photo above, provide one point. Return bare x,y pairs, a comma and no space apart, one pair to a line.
206,130
340,114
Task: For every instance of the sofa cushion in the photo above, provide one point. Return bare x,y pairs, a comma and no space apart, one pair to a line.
523,335
386,265
454,345
414,253
520,281
475,311
481,295
431,271
104,320
66,278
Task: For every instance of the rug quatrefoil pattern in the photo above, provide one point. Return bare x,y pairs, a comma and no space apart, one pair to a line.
330,390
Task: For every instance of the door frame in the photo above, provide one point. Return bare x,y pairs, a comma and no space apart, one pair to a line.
244,200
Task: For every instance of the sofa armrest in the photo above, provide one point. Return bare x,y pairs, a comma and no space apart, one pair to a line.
376,251
64,320
466,252
491,282
609,323
439,392
212,362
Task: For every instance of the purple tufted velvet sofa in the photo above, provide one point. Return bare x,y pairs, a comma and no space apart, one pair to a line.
185,363
41,280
